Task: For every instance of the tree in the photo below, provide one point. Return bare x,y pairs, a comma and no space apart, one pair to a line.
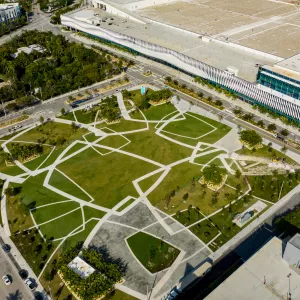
284,132
42,119
238,173
200,94
219,102
213,174
250,137
272,127
261,123
168,79
284,149
209,98
185,196
74,126
63,111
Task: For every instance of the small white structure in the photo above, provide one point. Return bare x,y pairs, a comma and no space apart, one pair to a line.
80,267
9,12
28,50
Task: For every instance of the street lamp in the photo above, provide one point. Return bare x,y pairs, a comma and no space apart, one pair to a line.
289,294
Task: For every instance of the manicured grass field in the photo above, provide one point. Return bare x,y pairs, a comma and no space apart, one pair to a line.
62,183
158,112
75,148
86,117
149,181
152,146
119,295
123,125
208,157
154,254
108,179
126,204
62,226
191,127
114,141
68,116
90,212
51,131
189,216
49,212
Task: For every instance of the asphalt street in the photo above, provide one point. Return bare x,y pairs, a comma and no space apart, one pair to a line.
17,290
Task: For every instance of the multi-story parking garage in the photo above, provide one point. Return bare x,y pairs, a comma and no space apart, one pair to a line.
193,54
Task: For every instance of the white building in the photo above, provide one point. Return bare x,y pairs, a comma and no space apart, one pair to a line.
29,50
80,267
9,12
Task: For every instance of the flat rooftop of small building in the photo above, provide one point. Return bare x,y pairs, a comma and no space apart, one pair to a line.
295,240
217,54
267,265
292,63
283,71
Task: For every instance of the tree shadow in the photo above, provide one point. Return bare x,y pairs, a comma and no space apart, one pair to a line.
14,296
103,250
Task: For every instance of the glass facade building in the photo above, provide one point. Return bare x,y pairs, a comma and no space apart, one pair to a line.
278,82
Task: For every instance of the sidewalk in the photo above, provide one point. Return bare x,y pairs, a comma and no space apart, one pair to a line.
21,263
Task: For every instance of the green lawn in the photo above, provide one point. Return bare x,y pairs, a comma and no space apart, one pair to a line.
35,163
154,254
158,112
86,117
11,170
75,148
69,116
62,226
119,295
152,146
266,152
62,183
49,212
114,141
34,191
205,231
208,157
123,126
149,181
190,127
106,178
90,212
272,187
91,137
52,133
125,204
189,216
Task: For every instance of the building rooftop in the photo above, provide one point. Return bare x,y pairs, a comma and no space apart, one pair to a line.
263,276
295,241
8,5
214,53
80,267
292,64
28,50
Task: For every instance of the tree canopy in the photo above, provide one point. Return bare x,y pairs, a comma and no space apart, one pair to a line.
213,174
250,137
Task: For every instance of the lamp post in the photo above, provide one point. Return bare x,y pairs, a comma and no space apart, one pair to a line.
289,294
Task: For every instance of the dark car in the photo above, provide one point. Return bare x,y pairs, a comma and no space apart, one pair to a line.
23,274
6,248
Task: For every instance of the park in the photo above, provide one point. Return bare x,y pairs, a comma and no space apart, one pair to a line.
156,181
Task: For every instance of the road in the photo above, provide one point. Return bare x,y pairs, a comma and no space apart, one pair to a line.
17,290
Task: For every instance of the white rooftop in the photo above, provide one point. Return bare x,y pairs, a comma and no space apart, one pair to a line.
8,5
28,50
267,264
219,55
292,63
80,267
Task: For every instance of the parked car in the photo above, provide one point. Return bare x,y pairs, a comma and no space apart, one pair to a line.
30,284
6,280
6,248
23,274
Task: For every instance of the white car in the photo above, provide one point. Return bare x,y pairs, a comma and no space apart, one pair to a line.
29,284
6,280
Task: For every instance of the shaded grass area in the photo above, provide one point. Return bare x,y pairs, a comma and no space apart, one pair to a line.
108,179
125,204
11,170
189,216
34,191
62,183
62,226
68,116
86,117
273,188
267,152
154,254
205,231
223,221
49,212
119,295
35,163
152,146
